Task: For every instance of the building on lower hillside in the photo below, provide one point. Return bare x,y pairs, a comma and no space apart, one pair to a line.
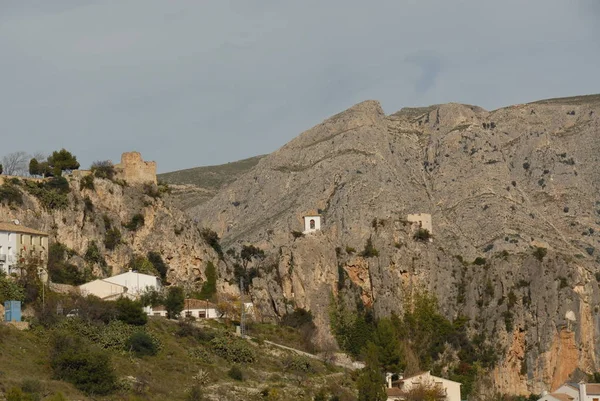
574,392
103,289
398,389
130,284
20,244
136,283
312,223
196,308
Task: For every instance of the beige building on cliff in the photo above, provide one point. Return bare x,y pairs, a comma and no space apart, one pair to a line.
19,244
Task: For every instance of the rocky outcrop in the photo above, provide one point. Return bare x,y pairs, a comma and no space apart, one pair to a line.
91,212
515,189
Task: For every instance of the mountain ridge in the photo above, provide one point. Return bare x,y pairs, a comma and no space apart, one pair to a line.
498,184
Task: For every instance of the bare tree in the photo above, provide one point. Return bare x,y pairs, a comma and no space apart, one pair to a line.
15,163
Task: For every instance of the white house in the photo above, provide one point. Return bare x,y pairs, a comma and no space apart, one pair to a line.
574,392
136,283
129,284
20,242
191,308
312,223
397,389
103,289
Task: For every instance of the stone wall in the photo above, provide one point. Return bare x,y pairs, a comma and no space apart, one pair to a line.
135,170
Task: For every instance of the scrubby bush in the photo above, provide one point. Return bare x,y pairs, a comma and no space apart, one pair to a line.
86,367
93,254
141,344
151,190
212,239
233,349
540,253
103,169
10,194
52,194
479,261
87,182
209,287
422,234
174,302
112,238
236,373
60,270
136,222
131,312
369,250
159,264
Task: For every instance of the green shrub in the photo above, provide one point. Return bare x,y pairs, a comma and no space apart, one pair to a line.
209,287
233,349
88,205
136,222
112,238
87,182
141,344
52,194
10,195
350,250
540,253
236,373
479,261
422,234
131,312
298,318
141,264
159,264
212,239
369,250
103,169
59,270
297,234
151,190
10,290
298,364
93,254
86,367
174,301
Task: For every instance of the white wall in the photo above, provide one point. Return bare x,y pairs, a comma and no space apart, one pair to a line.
423,219
307,228
452,388
101,289
8,240
136,283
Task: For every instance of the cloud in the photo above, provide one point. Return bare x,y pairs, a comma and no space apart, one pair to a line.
193,83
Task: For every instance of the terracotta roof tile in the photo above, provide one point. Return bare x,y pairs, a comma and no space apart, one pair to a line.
592,388
562,397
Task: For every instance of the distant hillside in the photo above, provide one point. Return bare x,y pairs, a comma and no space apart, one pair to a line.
194,186
211,177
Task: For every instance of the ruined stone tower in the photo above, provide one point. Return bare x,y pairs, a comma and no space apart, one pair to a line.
135,170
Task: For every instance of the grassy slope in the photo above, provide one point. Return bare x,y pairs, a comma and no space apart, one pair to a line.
167,376
211,177
194,186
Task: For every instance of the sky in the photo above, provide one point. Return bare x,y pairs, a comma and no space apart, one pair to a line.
200,82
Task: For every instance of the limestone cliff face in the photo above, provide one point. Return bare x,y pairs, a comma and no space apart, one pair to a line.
498,185
166,230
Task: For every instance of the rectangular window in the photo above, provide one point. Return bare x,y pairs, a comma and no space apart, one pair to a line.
31,239
188,313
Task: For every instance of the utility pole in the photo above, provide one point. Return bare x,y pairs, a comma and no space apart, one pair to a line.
242,325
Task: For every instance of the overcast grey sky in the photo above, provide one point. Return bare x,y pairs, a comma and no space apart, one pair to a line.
200,82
